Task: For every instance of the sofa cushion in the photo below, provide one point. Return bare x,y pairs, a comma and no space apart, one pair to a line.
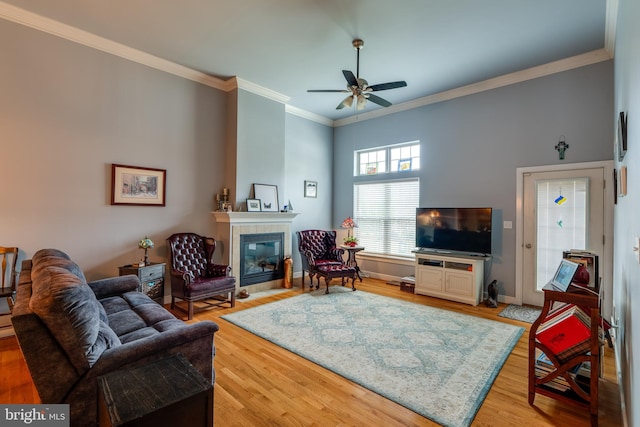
69,308
133,315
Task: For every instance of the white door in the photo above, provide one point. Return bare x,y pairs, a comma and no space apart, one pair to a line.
562,210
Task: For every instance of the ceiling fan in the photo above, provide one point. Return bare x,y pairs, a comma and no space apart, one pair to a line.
359,88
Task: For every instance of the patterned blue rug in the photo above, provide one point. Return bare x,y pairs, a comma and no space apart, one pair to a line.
438,363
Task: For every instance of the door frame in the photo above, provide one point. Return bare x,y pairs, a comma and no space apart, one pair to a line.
606,259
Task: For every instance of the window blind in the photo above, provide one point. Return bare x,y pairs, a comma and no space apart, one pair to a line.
386,215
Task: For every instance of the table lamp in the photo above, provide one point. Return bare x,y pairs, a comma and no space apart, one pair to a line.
145,244
349,224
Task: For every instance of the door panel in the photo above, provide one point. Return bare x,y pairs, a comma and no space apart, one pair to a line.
562,210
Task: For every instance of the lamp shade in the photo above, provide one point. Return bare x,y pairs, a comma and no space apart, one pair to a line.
349,223
145,243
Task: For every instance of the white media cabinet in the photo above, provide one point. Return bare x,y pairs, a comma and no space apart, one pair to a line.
452,277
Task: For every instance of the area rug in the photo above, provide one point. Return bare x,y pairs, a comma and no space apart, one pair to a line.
522,313
438,363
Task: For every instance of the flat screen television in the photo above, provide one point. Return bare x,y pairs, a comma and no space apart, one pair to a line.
445,230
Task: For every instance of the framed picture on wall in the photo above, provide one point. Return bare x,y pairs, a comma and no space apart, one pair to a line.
310,189
136,185
622,136
268,196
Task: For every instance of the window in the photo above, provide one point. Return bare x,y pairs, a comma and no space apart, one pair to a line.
393,158
385,212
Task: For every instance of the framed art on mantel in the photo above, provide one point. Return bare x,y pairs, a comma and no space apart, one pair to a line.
136,185
268,195
254,205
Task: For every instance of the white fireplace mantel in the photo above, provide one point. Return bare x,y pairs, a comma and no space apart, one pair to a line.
254,217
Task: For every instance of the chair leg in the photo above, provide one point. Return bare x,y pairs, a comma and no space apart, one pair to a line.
173,302
233,298
327,280
190,315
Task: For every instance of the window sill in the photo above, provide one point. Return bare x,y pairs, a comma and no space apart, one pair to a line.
390,259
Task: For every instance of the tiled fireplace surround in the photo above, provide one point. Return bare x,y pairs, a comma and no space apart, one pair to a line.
231,225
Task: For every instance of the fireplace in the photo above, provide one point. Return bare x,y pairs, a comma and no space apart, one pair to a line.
261,258
232,227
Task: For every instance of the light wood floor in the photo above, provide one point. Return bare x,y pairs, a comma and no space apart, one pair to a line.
261,384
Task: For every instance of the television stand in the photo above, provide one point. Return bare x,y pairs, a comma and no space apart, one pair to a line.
453,277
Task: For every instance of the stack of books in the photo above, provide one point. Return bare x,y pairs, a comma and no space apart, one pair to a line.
566,332
581,373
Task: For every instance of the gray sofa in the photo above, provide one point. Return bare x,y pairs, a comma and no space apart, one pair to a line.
71,332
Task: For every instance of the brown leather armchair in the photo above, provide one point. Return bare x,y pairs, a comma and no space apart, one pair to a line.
318,248
193,274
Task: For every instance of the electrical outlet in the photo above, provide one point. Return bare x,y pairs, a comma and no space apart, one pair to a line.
636,249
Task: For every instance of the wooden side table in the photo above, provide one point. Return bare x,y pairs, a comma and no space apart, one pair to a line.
351,260
151,279
167,392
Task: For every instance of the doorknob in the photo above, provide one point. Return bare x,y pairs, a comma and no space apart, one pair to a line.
528,246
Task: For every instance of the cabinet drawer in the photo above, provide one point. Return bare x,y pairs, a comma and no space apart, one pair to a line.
152,272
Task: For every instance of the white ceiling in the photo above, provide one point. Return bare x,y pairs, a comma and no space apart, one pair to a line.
289,46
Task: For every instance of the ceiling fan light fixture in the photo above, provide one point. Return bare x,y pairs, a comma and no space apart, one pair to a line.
347,102
360,88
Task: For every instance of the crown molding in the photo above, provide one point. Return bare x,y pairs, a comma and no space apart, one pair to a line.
566,64
56,28
308,115
260,90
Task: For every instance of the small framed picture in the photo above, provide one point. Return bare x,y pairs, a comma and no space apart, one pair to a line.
310,189
254,205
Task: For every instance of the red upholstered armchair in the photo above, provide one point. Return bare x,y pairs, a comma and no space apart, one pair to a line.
318,247
194,276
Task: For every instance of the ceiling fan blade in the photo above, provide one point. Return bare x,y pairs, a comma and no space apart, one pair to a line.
378,100
390,85
347,102
351,79
328,90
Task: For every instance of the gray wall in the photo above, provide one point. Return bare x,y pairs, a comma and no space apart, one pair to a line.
471,147
67,112
260,145
626,270
308,157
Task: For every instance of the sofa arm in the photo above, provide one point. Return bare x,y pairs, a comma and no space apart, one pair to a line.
114,285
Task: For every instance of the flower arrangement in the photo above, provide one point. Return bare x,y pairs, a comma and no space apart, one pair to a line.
350,241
